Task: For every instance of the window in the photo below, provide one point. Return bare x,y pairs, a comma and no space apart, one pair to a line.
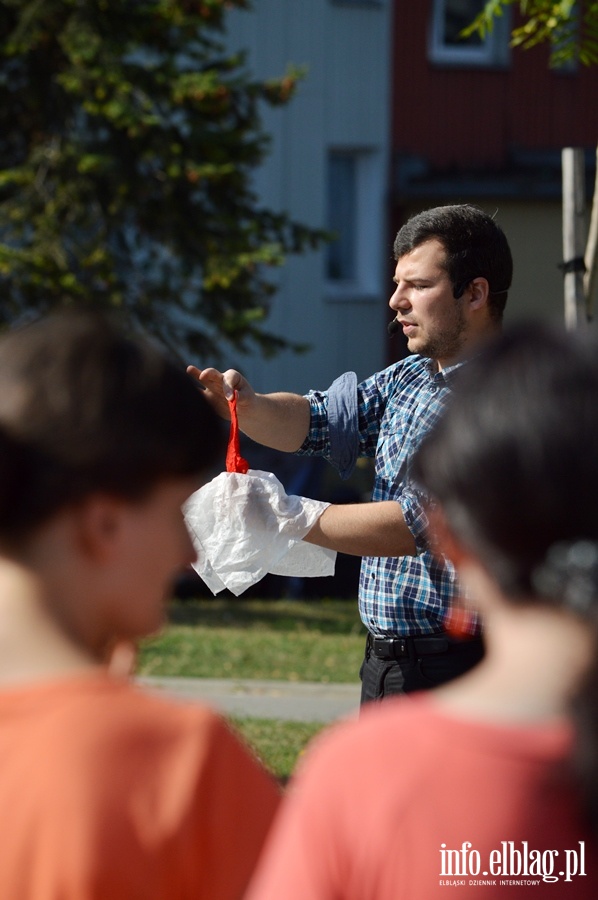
447,47
355,206
342,216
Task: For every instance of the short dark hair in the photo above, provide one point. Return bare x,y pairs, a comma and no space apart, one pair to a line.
85,407
475,247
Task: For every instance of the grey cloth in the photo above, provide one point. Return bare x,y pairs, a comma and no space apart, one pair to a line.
343,423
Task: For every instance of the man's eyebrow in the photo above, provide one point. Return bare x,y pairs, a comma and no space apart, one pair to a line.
412,278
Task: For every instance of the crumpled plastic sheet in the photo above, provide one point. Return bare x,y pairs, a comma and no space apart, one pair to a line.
245,526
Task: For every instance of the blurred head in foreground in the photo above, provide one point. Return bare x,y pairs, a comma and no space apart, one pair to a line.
102,438
513,470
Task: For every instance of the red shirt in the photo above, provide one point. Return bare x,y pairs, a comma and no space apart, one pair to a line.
410,802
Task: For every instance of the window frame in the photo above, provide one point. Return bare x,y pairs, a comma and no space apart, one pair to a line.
368,226
492,52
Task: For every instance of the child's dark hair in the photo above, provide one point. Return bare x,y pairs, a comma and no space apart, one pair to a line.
514,466
84,408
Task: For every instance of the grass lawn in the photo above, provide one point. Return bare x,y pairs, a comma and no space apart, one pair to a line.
278,744
282,639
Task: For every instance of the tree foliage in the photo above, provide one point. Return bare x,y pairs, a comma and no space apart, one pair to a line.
569,26
128,139
571,29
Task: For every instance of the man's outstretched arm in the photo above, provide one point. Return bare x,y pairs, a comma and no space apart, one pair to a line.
279,420
364,529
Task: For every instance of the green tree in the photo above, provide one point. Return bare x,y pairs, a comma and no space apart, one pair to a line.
570,28
128,141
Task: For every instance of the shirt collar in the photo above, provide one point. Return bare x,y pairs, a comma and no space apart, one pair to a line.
447,374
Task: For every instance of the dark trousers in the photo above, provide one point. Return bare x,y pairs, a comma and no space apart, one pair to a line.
417,670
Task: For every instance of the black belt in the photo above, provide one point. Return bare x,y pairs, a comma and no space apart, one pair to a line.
403,647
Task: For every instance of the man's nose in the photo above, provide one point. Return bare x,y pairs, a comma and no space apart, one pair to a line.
399,299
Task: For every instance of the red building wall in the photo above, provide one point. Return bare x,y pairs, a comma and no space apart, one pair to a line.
471,117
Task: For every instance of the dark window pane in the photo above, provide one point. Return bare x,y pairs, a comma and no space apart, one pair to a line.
458,14
342,215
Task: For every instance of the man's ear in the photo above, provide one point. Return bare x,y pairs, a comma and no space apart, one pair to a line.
479,291
99,520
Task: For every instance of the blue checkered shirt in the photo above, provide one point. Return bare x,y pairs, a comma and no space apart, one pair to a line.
386,417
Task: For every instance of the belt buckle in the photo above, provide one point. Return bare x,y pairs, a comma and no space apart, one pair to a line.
400,645
389,648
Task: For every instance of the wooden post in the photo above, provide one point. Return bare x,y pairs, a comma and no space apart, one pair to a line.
590,278
574,236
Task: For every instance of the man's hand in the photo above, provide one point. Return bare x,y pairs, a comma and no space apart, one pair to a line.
277,420
220,386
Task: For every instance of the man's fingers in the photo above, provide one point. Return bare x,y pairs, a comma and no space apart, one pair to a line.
218,383
230,383
211,379
194,371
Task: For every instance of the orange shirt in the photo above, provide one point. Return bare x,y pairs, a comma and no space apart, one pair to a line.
409,803
109,792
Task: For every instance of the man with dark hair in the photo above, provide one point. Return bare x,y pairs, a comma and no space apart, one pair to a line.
452,275
472,243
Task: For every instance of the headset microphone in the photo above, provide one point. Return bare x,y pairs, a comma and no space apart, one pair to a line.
393,327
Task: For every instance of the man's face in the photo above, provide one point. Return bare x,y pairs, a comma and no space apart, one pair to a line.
432,320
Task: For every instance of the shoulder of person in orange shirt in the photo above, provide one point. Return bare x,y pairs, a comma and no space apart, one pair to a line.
110,791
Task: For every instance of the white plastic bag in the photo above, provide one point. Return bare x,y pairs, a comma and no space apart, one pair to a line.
245,526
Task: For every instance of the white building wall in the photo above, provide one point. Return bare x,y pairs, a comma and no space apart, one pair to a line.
343,103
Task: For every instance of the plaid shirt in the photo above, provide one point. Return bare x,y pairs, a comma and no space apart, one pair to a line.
386,417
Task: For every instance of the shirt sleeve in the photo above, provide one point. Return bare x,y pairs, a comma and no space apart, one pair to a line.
414,506
334,424
345,419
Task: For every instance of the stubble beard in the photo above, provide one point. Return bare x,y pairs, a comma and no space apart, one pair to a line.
448,343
